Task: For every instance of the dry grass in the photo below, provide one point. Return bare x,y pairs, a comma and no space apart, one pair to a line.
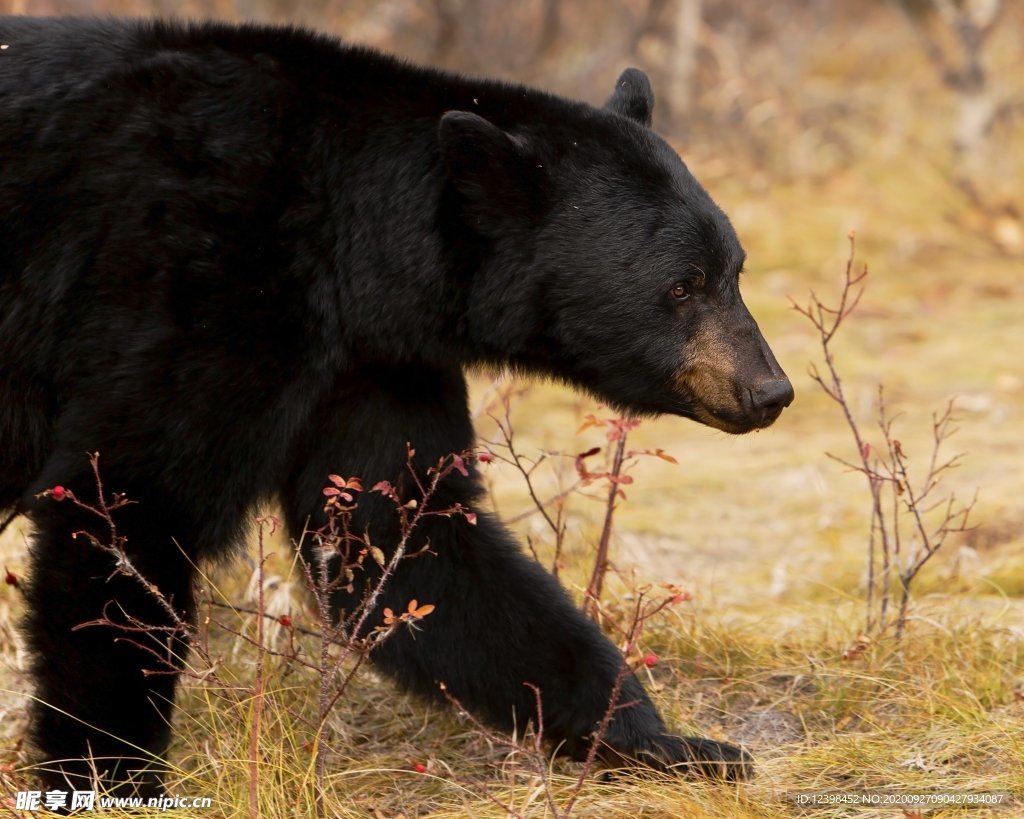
937,712
765,531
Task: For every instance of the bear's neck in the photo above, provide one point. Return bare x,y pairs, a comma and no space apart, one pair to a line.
404,265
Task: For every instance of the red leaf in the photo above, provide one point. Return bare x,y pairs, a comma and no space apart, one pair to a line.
619,427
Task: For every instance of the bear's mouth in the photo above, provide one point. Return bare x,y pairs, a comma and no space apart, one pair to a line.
713,402
728,377
732,422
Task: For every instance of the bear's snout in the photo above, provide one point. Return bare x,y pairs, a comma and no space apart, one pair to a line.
769,399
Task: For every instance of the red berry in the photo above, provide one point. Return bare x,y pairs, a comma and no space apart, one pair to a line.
419,767
285,620
10,578
485,457
650,660
58,493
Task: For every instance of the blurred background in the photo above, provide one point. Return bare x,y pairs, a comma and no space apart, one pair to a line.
792,88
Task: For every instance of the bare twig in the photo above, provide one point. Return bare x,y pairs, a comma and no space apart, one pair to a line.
886,469
596,585
526,468
337,541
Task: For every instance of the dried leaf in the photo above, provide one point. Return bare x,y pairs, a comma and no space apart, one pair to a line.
418,611
590,421
861,644
657,453
581,467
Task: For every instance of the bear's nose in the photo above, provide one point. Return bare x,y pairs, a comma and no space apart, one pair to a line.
772,397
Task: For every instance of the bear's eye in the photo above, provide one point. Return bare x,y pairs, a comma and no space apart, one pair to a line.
680,292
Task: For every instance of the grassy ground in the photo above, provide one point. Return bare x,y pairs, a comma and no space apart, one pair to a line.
766,533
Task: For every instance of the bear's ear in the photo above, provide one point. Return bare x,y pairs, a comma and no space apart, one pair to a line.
633,96
492,169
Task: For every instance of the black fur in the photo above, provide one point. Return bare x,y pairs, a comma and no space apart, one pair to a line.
233,260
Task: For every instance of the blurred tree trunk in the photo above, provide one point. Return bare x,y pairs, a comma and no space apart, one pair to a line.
550,29
447,14
969,22
682,61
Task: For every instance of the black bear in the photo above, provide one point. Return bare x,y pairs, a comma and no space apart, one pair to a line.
234,260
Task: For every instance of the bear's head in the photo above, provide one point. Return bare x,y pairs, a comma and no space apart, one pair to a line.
601,261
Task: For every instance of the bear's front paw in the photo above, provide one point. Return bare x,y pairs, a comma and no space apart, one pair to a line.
704,757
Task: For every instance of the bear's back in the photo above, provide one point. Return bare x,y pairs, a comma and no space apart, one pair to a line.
42,56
